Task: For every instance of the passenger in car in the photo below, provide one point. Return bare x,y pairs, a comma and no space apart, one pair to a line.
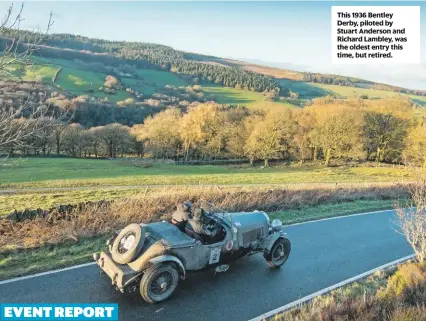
182,214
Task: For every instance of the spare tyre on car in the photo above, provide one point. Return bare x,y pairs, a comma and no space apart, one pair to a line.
128,244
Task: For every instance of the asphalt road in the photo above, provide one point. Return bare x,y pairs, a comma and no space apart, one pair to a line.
323,253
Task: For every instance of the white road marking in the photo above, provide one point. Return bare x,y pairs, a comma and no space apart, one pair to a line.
328,289
339,217
92,263
46,273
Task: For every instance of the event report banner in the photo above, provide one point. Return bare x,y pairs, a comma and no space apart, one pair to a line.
63,312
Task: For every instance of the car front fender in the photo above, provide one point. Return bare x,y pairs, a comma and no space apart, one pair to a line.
271,239
170,258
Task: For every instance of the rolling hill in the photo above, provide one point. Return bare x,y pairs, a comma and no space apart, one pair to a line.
157,75
311,85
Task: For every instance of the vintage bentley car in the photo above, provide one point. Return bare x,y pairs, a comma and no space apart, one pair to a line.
153,257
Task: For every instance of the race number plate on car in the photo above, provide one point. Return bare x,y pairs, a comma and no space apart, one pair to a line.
214,255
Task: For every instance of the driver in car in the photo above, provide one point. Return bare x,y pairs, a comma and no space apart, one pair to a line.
198,225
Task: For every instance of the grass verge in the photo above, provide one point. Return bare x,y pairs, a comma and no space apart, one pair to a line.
396,294
63,254
49,258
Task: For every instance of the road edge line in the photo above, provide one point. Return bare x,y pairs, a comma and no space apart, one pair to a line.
21,278
307,298
340,216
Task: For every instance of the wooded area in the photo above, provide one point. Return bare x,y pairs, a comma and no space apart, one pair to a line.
387,130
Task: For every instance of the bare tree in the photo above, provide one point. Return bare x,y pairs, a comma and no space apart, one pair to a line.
19,123
412,220
15,47
15,128
116,137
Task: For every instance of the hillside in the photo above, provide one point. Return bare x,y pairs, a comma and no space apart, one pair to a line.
300,76
311,85
144,78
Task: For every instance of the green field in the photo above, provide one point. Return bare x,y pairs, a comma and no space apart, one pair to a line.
313,90
250,99
68,172
40,73
347,92
86,82
160,78
140,86
79,81
304,89
90,180
32,72
224,95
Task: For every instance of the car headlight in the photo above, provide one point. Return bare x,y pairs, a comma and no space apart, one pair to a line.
276,225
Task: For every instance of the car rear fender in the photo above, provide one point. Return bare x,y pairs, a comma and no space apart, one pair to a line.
170,258
271,239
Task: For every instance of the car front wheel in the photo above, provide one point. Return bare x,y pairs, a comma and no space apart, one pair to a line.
279,253
159,282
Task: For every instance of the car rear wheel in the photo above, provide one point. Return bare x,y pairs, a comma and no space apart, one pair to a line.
159,282
127,244
279,253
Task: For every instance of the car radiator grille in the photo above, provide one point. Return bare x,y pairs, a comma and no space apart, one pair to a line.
252,235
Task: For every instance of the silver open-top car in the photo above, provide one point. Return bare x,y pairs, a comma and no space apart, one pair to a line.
153,257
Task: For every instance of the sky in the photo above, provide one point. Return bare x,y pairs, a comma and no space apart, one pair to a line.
295,35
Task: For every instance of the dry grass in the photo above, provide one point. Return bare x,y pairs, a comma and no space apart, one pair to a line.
400,297
87,220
